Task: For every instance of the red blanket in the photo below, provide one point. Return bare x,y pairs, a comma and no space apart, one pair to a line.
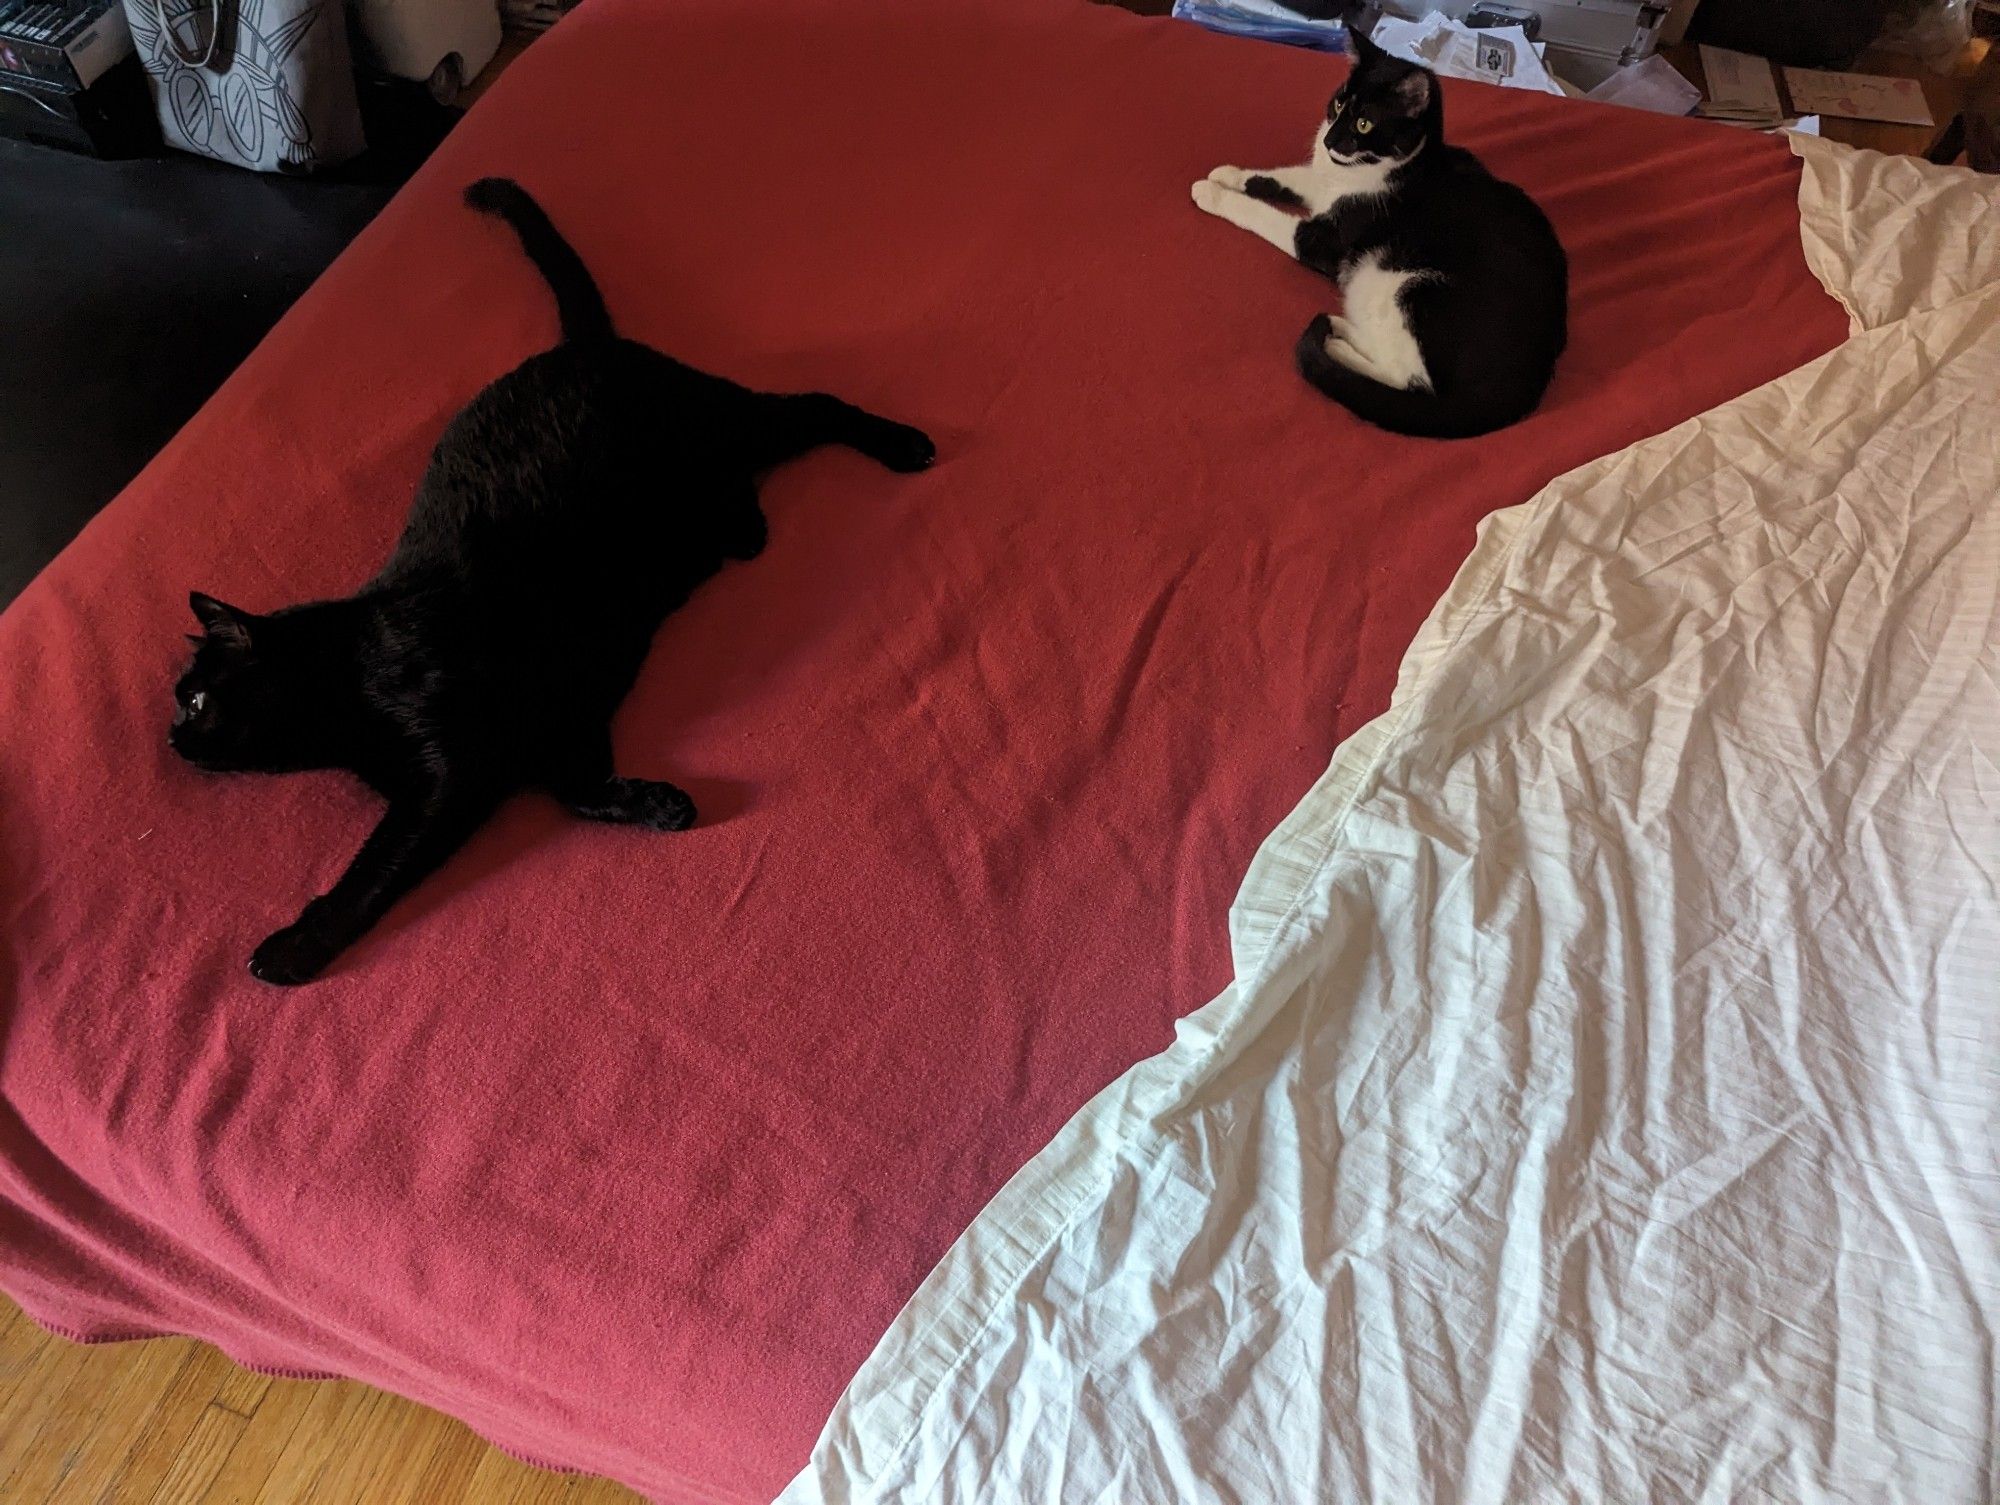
625,1147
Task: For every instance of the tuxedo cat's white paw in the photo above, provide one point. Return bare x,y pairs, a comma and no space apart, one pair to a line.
1210,196
1335,336
1231,177
1360,362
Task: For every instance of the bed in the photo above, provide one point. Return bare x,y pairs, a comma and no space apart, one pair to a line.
627,1151
1603,1103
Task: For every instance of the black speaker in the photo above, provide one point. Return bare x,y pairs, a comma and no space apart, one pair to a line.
1798,33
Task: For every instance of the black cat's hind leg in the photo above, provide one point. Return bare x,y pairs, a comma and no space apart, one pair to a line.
652,803
586,787
791,425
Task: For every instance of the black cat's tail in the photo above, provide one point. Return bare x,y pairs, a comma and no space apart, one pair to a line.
584,316
1416,411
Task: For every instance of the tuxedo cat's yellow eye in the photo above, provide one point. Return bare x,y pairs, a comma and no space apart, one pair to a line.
1363,126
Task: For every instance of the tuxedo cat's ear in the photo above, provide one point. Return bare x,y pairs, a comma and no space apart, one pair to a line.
1365,50
1413,91
221,621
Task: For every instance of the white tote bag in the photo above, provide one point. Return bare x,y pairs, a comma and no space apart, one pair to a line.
265,84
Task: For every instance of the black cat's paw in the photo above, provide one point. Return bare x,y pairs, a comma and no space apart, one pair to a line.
1319,331
903,449
652,803
661,807
297,954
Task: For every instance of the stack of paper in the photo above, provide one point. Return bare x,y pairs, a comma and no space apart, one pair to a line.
1859,96
1741,88
1652,84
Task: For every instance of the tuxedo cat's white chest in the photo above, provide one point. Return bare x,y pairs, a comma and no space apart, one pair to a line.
1334,182
1338,183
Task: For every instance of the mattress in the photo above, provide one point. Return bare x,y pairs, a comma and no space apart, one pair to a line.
624,1149
1603,1104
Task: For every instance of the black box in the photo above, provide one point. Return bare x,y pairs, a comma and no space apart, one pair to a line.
68,43
112,118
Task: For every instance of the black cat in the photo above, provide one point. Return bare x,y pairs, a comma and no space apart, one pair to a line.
1454,285
567,509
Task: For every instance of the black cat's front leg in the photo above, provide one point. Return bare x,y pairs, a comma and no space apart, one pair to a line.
414,837
1262,186
1297,188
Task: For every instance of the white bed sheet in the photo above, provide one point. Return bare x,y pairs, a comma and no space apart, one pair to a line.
1607,1106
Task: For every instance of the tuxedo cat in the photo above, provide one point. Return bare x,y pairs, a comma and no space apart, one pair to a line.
1455,288
568,508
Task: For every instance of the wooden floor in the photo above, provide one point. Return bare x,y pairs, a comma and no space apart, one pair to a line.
172,1422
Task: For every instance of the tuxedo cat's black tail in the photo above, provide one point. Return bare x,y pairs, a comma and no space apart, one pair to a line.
584,316
1416,411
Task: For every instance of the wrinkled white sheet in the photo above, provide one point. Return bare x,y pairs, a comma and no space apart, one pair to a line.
1607,1106
1892,236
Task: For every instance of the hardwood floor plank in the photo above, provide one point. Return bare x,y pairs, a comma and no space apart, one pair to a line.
99,1419
320,1431
20,1342
172,1420
455,1455
201,1455
242,1391
244,1473
504,1481
35,1407
171,1428
379,1451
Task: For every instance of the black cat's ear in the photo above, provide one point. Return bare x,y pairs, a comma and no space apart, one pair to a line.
1365,50
1413,91
222,622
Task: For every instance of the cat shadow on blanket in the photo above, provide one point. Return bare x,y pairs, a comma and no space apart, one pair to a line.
565,512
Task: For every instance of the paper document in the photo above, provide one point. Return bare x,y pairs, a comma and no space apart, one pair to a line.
1858,96
1500,55
1654,84
1740,87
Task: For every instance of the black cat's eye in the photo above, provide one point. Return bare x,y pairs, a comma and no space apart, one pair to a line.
1363,125
195,700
